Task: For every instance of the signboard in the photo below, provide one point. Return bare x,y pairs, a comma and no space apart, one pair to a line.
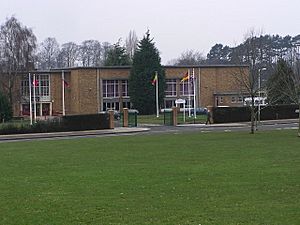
180,101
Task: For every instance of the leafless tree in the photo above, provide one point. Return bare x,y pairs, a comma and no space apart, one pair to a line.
189,57
106,46
48,53
68,55
90,53
17,47
248,80
131,43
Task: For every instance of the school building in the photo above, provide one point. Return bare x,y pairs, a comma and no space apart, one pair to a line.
83,90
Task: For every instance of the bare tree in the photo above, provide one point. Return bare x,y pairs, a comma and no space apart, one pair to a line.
48,53
106,46
17,47
131,43
189,57
248,80
68,54
90,53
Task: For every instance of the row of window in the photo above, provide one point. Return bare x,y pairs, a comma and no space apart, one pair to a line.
234,99
40,85
110,88
185,89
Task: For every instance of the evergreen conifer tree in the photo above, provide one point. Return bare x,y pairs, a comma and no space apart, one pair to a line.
117,56
5,108
279,83
146,62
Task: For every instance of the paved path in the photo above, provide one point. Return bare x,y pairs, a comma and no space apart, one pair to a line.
154,129
72,134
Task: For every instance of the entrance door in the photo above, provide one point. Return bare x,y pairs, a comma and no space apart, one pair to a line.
46,109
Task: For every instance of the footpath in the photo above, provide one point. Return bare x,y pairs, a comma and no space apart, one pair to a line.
131,130
33,136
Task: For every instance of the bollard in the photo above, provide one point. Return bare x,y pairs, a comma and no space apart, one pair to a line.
125,117
111,119
174,116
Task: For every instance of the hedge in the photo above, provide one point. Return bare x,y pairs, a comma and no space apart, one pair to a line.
243,114
66,123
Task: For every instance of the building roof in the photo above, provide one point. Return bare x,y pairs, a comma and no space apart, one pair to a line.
68,69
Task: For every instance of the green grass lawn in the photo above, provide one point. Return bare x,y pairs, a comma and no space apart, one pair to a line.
191,179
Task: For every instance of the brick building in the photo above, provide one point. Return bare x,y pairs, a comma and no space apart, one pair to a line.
90,90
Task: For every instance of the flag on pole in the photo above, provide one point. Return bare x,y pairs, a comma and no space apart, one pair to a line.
66,84
192,78
35,83
153,82
186,77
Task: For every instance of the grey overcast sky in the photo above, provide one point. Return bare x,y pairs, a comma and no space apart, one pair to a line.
176,25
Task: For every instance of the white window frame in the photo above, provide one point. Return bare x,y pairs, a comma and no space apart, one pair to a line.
115,89
171,83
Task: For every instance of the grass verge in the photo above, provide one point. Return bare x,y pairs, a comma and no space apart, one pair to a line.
211,178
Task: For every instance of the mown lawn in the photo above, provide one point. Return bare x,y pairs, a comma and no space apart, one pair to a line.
200,178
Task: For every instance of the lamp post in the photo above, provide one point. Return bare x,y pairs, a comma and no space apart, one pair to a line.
259,91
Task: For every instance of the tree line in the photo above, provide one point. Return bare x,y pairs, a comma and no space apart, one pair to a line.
19,50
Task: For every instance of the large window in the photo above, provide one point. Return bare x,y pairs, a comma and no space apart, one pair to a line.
186,89
124,88
111,106
171,87
41,84
44,85
110,88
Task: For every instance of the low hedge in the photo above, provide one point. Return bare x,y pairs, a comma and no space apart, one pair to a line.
243,114
66,123
86,122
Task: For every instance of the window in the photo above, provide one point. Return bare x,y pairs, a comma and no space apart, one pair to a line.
125,88
233,99
186,89
110,88
25,87
240,99
126,105
42,85
111,106
169,104
221,100
171,87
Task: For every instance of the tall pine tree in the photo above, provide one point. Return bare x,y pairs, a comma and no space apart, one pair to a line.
146,62
117,56
5,108
280,83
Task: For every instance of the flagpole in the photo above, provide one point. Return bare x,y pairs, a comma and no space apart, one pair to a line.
194,84
156,93
30,100
63,92
34,98
189,92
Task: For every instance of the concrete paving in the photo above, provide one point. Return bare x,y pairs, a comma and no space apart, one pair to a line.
151,128
119,130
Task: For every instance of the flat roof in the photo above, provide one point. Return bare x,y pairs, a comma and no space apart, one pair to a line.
69,69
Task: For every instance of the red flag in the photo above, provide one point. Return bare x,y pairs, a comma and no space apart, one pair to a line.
154,80
35,83
66,84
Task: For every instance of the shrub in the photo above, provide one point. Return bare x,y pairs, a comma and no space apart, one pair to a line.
5,108
86,122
